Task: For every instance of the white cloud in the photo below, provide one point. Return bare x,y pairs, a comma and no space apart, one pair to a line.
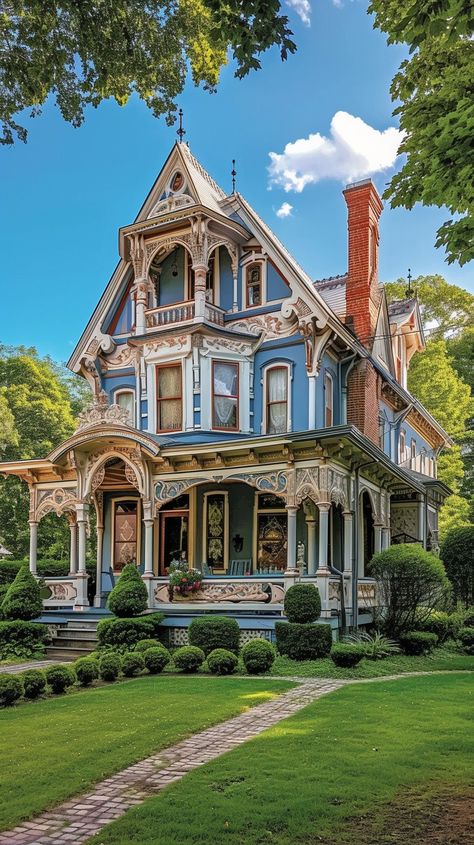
302,9
354,150
284,210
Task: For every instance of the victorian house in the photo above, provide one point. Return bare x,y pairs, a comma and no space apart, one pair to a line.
247,418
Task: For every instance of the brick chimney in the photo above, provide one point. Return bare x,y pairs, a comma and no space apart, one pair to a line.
362,288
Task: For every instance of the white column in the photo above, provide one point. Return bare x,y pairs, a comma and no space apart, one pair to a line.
323,508
33,546
148,547
98,571
385,538
291,538
82,602
312,555
200,273
311,402
235,303
141,305
73,548
377,538
81,546
421,522
347,516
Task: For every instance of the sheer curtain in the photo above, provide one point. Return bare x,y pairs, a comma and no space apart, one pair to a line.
169,399
126,400
225,395
277,400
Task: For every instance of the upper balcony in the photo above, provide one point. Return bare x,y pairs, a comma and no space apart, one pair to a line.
181,313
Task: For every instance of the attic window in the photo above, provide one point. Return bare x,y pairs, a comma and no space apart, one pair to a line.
177,182
253,285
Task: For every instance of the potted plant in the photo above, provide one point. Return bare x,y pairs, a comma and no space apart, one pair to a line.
183,580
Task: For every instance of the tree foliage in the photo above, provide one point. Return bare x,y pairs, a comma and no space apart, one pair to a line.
457,553
83,53
434,89
449,306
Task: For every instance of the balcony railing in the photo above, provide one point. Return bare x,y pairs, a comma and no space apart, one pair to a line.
182,312
213,314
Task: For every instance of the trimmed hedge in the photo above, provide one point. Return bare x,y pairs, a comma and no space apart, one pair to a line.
418,642
466,638
34,682
144,645
221,661
303,641
60,678
132,664
110,665
23,597
129,597
22,639
188,658
444,625
347,655
156,659
211,632
258,656
11,689
302,603
87,670
124,634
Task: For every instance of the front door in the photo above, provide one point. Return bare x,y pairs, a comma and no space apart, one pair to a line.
174,527
125,533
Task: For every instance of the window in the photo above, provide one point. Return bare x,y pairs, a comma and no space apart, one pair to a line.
169,398
225,395
328,400
401,447
126,399
253,285
413,454
423,461
277,400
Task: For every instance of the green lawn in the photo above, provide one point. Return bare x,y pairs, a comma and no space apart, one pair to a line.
311,778
442,659
58,747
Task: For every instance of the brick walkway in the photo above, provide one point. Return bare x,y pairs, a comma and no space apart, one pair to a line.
78,819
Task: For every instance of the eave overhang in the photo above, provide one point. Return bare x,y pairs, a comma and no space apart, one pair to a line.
96,435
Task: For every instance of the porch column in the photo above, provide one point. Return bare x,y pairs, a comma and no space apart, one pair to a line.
348,530
323,508
98,570
73,547
82,511
311,402
148,570
385,538
33,546
312,559
291,538
141,304
200,273
421,522
377,538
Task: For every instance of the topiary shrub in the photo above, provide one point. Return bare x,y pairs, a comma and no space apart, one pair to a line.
110,665
302,603
211,632
303,641
221,661
87,671
34,683
124,634
132,664
22,639
60,678
23,597
144,645
411,583
457,554
188,658
418,642
466,639
156,659
129,597
258,656
11,689
347,655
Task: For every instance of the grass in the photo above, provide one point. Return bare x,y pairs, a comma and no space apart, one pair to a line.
311,778
441,659
58,747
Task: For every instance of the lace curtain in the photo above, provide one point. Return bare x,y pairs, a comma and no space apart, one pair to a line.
225,395
126,400
169,399
277,399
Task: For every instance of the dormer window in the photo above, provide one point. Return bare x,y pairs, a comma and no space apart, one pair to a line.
253,285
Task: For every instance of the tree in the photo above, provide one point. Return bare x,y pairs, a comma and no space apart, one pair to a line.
83,53
462,351
449,306
8,432
434,88
457,554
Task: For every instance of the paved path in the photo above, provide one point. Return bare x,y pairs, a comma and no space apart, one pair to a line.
16,668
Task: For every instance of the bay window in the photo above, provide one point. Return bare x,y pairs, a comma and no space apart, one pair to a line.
277,400
169,397
225,395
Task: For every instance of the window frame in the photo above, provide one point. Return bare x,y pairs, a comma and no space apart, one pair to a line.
215,427
402,455
328,407
412,453
267,403
120,391
248,267
158,400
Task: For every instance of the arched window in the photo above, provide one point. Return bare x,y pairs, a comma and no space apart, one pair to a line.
276,386
328,400
413,453
401,447
126,400
423,461
253,284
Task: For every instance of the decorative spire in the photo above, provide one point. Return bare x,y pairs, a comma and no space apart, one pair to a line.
181,132
409,291
233,173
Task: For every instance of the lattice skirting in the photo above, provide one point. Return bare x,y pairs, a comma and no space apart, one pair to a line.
179,636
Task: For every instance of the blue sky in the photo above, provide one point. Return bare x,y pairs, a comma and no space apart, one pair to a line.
66,192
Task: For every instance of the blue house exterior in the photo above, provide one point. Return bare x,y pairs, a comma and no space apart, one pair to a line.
245,419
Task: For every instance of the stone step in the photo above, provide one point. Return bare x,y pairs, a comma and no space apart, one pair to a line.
70,642
76,634
54,652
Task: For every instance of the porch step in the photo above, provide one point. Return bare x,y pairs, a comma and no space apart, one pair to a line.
56,653
76,639
76,634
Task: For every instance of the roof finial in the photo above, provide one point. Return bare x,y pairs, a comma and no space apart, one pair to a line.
233,173
181,132
409,291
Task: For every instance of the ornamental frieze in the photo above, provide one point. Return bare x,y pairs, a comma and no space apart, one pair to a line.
269,482
262,592
101,413
58,501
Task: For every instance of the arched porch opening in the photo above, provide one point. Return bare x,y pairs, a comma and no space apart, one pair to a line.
367,532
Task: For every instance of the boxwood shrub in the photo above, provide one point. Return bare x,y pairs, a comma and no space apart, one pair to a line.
87,670
110,665
11,689
23,597
418,642
129,597
21,639
188,658
156,658
258,656
303,641
466,638
144,645
302,603
211,632
132,664
347,655
34,683
221,661
124,634
60,678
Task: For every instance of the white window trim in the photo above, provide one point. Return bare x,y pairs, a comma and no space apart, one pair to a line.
186,391
255,258
272,365
207,393
120,391
224,493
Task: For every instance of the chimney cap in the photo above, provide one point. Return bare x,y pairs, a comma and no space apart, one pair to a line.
359,184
